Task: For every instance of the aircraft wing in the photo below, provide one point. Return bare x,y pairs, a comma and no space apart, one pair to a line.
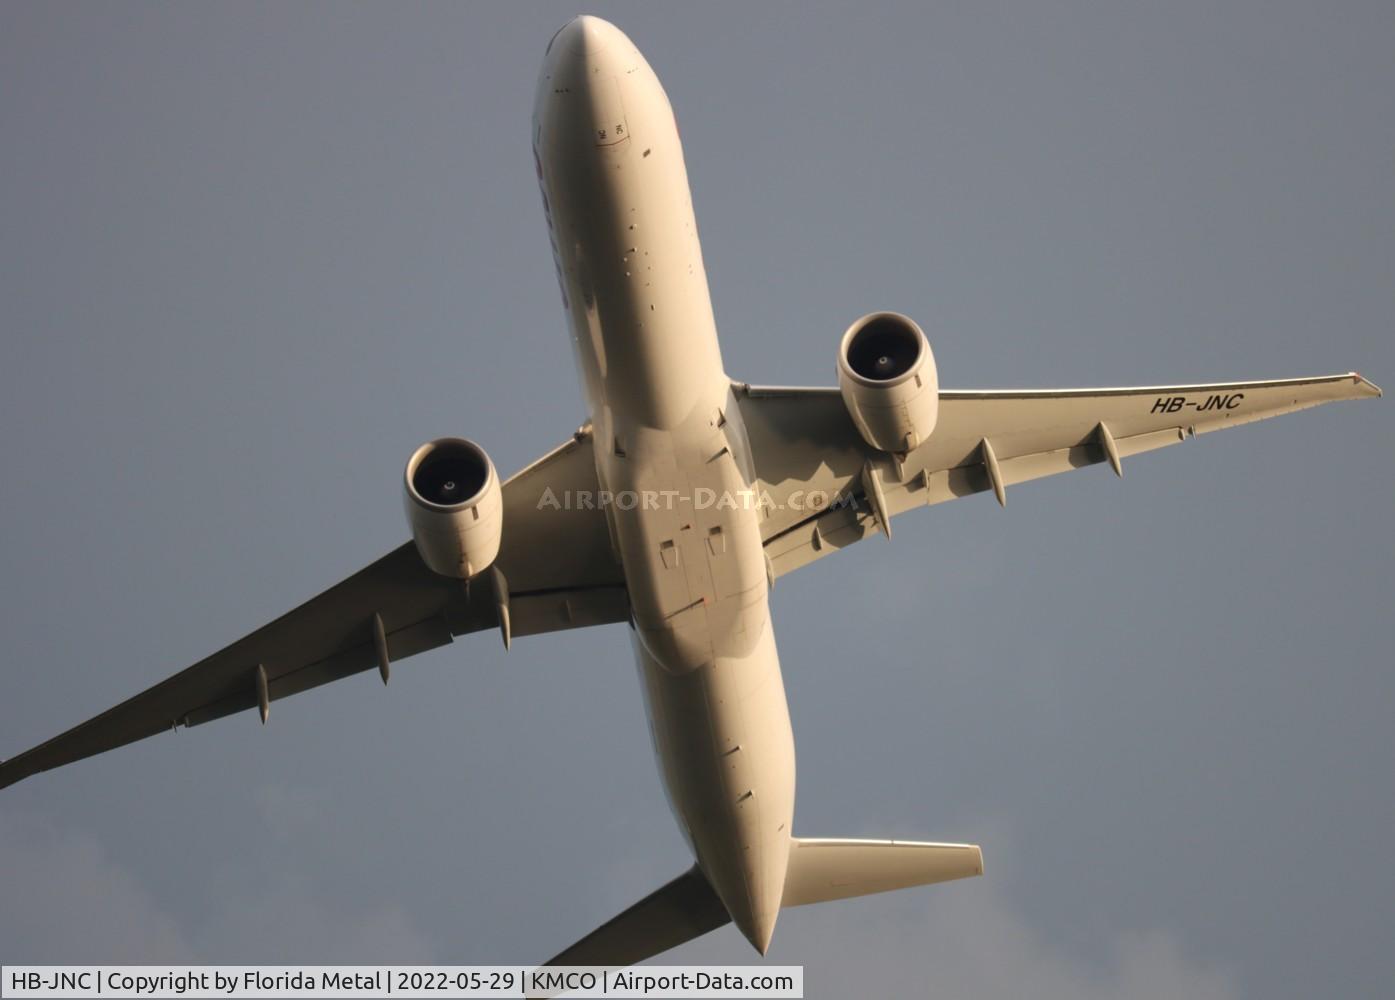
559,573
822,487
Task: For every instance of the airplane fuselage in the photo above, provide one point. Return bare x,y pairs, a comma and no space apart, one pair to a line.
671,449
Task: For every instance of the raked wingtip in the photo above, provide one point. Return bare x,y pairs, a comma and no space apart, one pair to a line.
1364,383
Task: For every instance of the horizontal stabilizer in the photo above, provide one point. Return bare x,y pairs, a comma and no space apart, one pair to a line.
684,909
821,869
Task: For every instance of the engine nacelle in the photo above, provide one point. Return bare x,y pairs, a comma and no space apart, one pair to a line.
455,506
888,379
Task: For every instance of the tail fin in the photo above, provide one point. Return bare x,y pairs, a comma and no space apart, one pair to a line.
821,869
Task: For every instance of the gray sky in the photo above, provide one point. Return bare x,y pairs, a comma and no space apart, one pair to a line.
250,256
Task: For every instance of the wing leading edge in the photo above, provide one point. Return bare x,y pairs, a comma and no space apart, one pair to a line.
556,572
824,488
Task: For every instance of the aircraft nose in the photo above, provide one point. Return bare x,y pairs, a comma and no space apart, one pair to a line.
587,36
579,100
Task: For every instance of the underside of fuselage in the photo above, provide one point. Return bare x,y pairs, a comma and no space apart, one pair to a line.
670,442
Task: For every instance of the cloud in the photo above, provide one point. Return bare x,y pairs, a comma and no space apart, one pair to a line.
67,900
965,941
974,943
287,925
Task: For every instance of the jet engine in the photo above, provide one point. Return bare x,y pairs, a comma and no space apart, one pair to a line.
887,376
454,505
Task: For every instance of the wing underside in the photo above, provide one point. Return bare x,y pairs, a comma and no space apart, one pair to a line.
824,488
557,572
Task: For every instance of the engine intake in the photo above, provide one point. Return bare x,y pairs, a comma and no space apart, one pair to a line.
887,376
454,506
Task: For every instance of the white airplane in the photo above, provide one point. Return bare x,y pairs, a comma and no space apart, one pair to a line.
674,509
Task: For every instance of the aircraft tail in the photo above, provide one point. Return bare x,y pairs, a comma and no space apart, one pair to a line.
684,909
819,870
822,869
